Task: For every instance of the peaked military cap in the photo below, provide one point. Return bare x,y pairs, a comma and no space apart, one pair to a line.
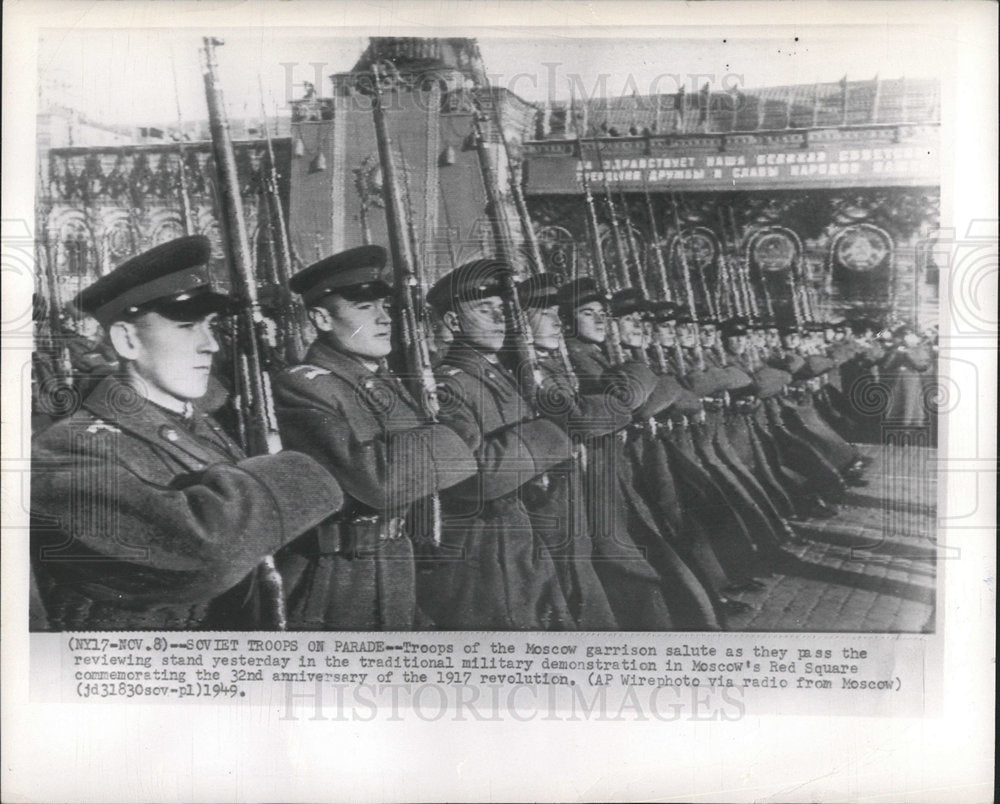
479,279
663,311
627,301
682,315
173,279
357,274
578,292
733,327
539,291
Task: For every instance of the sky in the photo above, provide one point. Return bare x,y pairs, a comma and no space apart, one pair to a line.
126,76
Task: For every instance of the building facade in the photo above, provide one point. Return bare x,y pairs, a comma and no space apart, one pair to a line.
836,185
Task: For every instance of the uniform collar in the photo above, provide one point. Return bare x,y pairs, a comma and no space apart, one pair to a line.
355,373
472,360
119,405
343,365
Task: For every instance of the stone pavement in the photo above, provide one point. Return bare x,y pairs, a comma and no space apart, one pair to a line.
870,568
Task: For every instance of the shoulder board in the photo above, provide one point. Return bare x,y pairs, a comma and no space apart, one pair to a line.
100,425
311,372
449,371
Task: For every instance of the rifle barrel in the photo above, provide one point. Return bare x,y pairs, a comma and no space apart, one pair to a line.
599,268
255,385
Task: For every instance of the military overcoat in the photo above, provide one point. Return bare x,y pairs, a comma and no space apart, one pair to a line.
649,585
357,570
140,517
492,570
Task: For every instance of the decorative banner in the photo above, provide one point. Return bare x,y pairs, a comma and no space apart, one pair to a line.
874,157
774,250
862,247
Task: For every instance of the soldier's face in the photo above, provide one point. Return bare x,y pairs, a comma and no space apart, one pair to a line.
737,344
688,335
707,332
757,337
772,338
791,340
360,328
630,329
546,328
592,322
481,322
169,358
666,335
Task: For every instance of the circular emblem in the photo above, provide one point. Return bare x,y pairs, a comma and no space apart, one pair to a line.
168,230
862,248
774,250
699,249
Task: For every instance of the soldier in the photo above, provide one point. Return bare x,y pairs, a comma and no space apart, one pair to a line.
902,367
492,570
344,407
799,411
143,510
560,516
617,468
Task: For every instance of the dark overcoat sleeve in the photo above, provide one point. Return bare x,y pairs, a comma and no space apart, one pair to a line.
508,456
113,516
382,468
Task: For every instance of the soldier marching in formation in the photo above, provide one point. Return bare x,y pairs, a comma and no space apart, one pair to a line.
616,497
144,511
500,455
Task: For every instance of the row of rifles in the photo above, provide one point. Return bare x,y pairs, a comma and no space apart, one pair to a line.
253,402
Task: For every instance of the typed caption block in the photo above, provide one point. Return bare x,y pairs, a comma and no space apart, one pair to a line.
614,676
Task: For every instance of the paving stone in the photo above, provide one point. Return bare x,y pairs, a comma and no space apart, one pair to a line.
870,568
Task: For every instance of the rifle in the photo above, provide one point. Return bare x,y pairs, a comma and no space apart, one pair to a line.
528,371
614,343
411,229
768,303
616,232
801,303
686,276
535,263
419,371
750,306
742,270
253,384
291,317
661,267
633,249
728,276
416,355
